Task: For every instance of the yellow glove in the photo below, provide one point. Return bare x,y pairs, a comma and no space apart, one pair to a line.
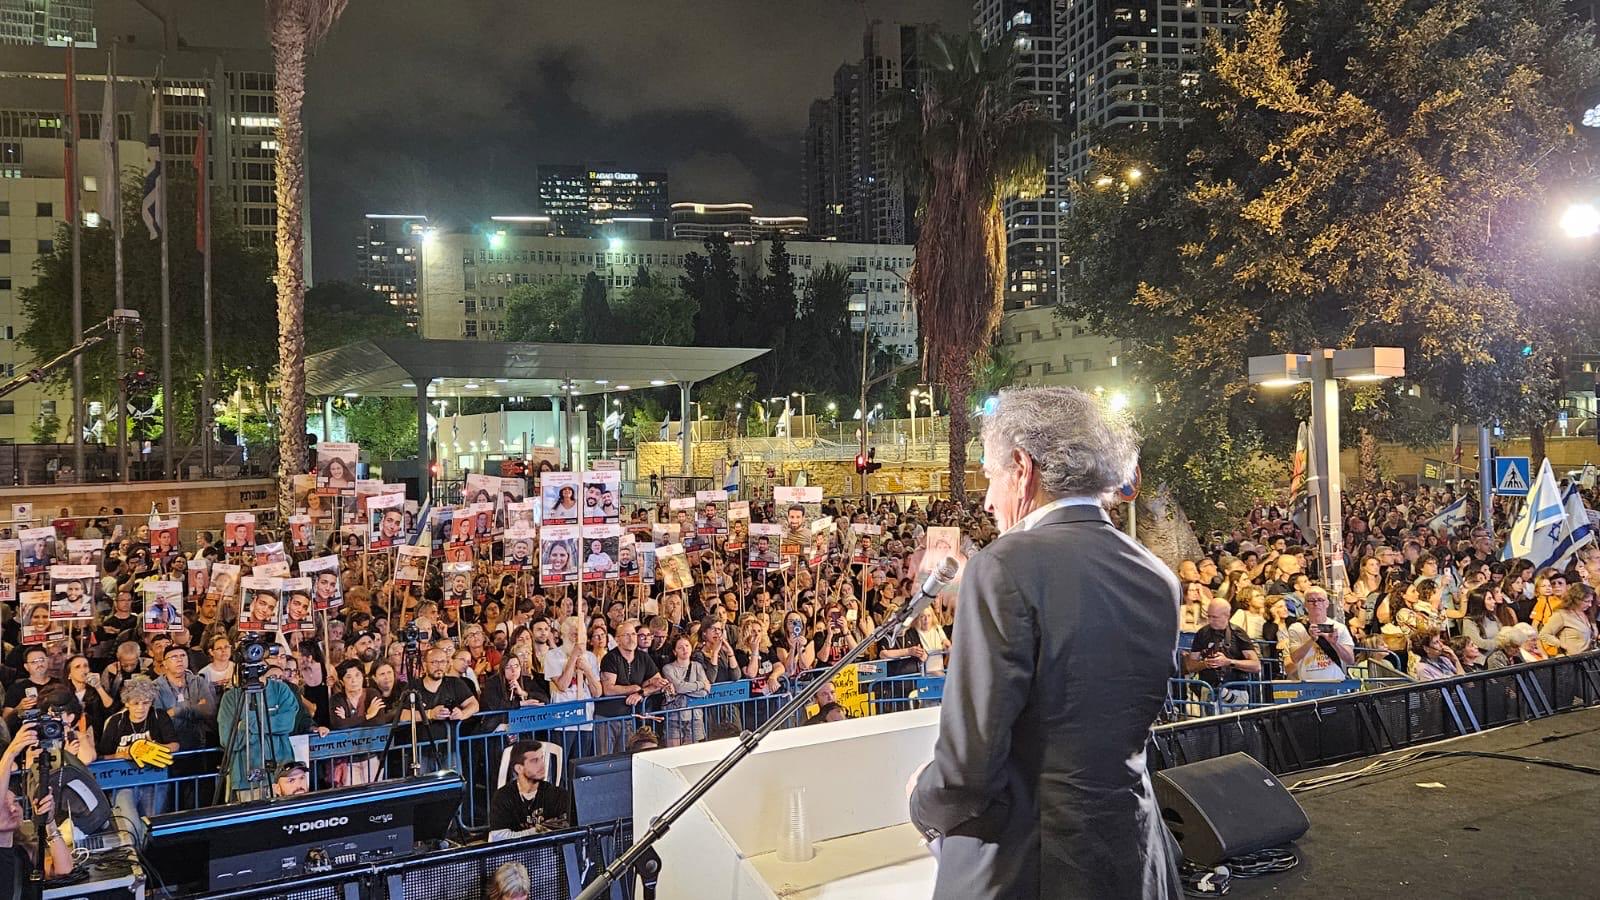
149,753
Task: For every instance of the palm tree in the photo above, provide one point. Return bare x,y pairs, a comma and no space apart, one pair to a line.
969,137
296,27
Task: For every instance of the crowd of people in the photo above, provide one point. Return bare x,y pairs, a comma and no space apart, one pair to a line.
1425,599
1427,602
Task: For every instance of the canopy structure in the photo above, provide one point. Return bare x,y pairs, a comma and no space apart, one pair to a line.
403,367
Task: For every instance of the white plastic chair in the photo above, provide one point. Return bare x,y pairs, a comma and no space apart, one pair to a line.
552,754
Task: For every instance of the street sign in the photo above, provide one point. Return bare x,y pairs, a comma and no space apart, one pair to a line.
1430,471
1511,476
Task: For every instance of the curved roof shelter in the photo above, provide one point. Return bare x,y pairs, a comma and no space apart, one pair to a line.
406,367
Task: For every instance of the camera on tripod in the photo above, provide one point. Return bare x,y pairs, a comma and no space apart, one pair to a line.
412,637
253,652
48,725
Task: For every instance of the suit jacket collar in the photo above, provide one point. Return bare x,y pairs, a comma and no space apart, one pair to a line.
1075,513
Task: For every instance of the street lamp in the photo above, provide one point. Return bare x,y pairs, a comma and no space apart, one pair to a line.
1581,220
802,395
1323,369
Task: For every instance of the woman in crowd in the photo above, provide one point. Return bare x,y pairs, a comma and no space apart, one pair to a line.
688,678
754,654
715,653
1433,657
1485,616
1518,643
1194,606
1250,610
85,685
512,688
1569,629
219,671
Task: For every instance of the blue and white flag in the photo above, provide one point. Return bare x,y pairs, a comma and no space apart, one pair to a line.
153,208
1537,532
730,481
666,426
1451,517
1576,530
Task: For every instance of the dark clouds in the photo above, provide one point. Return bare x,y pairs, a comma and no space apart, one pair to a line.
445,107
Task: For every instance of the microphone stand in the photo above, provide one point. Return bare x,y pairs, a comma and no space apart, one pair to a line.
643,853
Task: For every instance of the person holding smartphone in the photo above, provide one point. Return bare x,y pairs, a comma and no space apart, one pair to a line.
1221,652
1319,649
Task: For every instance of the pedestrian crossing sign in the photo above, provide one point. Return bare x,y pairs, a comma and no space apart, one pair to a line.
1511,476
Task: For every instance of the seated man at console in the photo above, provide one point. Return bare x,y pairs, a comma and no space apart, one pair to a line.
293,780
527,802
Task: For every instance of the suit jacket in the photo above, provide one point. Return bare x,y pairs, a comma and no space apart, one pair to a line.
1065,636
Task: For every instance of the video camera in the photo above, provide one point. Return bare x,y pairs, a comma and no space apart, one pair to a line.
48,725
253,651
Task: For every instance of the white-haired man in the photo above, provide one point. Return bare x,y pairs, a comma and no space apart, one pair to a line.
1067,628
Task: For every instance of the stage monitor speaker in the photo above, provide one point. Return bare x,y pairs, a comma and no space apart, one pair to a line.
1226,807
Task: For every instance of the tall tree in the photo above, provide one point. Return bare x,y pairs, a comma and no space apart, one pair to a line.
543,313
768,318
968,138
712,283
594,313
339,312
656,312
1349,173
295,27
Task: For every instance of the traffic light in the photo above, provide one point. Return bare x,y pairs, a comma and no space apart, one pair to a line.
872,466
861,463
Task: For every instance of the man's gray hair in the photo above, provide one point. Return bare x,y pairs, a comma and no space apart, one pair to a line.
1079,448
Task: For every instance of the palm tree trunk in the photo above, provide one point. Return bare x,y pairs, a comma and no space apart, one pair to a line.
1369,474
959,396
289,46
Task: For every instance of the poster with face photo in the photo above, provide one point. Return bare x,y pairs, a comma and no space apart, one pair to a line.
663,533
558,554
524,513
628,558
602,490
386,517
263,597
164,542
522,545
765,539
482,521
821,543
275,569
336,467
512,490
38,548
300,536
459,552
225,583
672,568
738,524
199,577
796,507
8,569
481,489
461,525
85,552
238,531
864,548
327,592
437,527
558,498
297,606
600,548
163,606
35,616
457,585
72,592
942,542
680,512
646,552
711,513
304,487
412,563
267,554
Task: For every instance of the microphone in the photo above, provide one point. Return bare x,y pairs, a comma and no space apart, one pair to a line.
938,579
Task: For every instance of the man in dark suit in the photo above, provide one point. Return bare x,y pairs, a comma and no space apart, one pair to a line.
1066,631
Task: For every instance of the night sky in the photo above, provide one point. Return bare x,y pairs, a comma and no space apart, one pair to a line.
445,107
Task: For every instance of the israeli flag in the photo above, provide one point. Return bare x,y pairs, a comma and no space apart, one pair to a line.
665,426
1577,529
1451,517
1536,535
730,481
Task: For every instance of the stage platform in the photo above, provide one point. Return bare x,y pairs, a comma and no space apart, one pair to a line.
1467,827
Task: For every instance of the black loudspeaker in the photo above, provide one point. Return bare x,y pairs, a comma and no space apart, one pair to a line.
1226,807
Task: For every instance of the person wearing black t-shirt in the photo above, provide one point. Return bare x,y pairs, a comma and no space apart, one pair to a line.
442,697
23,694
121,625
630,676
16,859
527,801
1221,651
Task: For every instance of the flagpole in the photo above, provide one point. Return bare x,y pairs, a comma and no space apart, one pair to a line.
115,171
203,217
77,258
166,305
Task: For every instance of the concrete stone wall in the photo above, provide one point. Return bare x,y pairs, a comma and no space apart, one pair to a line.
837,478
201,503
1397,461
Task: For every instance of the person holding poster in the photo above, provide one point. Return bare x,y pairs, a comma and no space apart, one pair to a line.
238,531
558,553
262,601
162,603
336,466
35,616
386,520
519,548
672,568
300,533
297,606
326,591
72,592
559,494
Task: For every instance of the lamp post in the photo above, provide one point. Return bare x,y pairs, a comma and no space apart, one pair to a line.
802,395
1323,369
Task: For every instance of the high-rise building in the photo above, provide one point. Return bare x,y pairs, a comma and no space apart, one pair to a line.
51,23
604,200
851,190
386,258
735,221
1094,67
467,275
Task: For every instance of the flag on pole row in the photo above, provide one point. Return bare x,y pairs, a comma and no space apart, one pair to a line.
69,134
1537,532
109,193
1451,517
1577,529
1299,481
151,209
201,214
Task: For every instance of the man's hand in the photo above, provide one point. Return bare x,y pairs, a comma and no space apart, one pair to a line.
44,806
28,702
633,699
25,738
438,713
1218,662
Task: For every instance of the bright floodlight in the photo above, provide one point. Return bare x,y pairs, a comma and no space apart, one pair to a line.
1581,220
1118,401
1591,117
497,240
615,244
